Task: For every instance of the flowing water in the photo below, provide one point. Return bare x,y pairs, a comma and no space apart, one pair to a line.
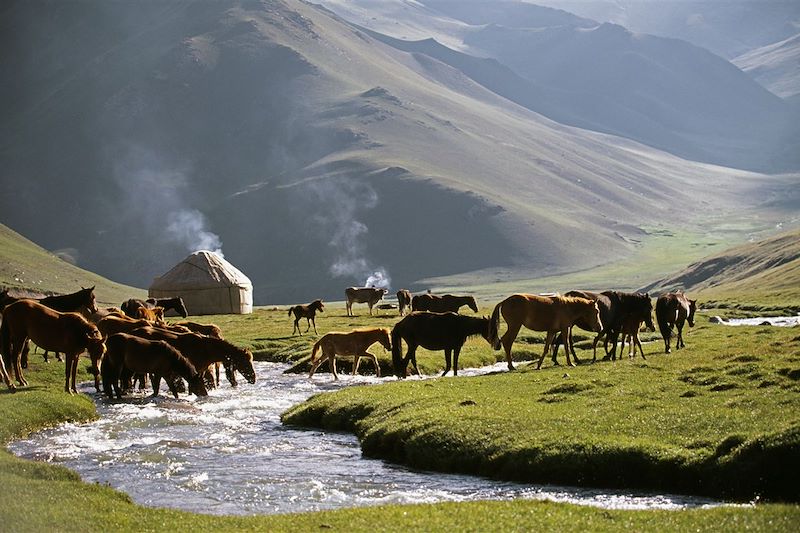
230,454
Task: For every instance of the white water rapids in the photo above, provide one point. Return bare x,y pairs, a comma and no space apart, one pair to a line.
230,454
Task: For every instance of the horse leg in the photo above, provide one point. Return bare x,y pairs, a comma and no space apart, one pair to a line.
296,326
16,355
641,351
308,325
331,362
314,321
556,346
356,363
507,340
375,361
572,348
547,342
456,352
411,355
565,339
4,374
447,361
155,379
171,384
679,341
316,365
68,373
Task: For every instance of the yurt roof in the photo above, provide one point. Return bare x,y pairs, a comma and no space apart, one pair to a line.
202,269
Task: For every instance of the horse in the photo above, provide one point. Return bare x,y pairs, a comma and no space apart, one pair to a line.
672,309
52,330
202,351
434,331
363,295
115,324
614,307
128,354
447,303
307,311
156,314
404,301
552,314
353,343
175,303
629,327
209,330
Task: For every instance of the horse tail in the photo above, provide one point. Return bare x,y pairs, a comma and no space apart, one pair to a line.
5,342
397,353
494,327
290,311
315,350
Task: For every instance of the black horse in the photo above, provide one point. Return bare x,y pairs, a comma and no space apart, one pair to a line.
447,303
672,309
434,331
615,307
307,311
131,306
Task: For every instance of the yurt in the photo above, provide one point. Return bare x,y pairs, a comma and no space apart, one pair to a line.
208,284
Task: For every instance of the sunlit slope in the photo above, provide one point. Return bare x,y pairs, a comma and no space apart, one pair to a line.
767,270
25,265
317,153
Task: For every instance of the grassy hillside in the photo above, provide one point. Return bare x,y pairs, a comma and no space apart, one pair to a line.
25,265
758,276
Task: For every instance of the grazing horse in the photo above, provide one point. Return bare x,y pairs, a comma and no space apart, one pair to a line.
69,333
307,311
434,331
552,314
671,310
128,354
363,295
404,301
447,303
202,351
353,343
176,304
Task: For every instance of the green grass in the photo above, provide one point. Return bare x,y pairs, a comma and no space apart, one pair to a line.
510,412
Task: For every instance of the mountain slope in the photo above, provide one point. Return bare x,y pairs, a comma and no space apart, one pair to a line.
767,267
775,66
26,266
313,155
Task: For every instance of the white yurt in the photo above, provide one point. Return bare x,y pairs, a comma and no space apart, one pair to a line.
208,284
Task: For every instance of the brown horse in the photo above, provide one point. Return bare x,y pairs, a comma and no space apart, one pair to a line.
353,343
447,303
363,295
434,331
69,333
116,324
202,351
629,328
131,306
672,309
128,354
209,330
156,314
307,311
552,314
404,301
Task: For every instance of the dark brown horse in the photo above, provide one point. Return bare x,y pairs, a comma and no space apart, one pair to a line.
363,295
68,333
552,314
307,311
447,303
404,301
434,331
202,351
350,344
672,309
131,306
128,355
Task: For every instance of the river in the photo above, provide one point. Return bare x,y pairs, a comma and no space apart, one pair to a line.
230,454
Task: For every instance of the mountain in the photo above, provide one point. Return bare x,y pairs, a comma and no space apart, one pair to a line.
314,155
766,267
775,66
27,268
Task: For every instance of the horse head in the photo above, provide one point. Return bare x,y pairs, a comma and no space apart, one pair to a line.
242,360
87,294
384,339
692,309
197,385
319,306
595,322
472,304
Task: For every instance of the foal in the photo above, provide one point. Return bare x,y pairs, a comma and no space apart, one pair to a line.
354,343
308,312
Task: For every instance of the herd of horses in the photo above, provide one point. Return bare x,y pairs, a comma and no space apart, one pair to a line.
132,342
126,344
434,323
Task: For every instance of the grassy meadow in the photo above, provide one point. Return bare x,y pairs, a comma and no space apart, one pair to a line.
710,419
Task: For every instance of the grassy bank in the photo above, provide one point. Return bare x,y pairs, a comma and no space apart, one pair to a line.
594,401
719,418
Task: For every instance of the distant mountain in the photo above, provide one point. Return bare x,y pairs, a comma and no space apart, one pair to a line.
775,66
768,266
663,92
312,154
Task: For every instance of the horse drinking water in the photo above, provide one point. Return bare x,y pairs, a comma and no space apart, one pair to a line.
353,343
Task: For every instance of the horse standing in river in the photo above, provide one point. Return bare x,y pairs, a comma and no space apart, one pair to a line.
307,311
354,343
447,303
672,309
68,333
434,331
552,314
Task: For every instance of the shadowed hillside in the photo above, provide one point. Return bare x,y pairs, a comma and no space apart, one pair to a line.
313,155
775,66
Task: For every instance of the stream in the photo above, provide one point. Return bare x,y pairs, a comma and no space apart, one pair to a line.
230,454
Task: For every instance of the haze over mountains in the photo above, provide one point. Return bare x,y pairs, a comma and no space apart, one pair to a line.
314,153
